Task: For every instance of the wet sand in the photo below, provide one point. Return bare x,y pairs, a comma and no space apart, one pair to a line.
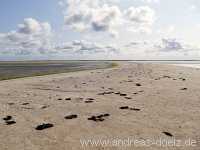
140,101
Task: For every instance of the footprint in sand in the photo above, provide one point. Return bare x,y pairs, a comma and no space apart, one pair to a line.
99,118
167,77
8,120
135,109
71,116
25,103
28,108
168,134
109,92
121,94
124,107
117,93
128,97
89,100
105,93
45,106
11,103
183,79
103,115
44,126
68,99
129,108
94,118
138,84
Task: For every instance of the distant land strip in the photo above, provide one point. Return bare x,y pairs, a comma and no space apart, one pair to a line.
145,60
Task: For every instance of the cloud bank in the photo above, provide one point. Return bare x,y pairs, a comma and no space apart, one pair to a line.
170,45
105,16
89,17
85,47
29,36
166,48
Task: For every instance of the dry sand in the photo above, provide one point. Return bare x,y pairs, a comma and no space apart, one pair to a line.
163,102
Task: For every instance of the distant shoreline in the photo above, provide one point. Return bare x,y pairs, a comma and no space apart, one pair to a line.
108,60
15,70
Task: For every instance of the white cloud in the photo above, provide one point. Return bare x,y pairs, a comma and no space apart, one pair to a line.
30,36
94,15
140,19
30,26
173,45
85,47
105,16
193,7
164,45
170,45
151,1
141,15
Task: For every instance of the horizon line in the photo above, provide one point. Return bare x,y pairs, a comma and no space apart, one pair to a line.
145,60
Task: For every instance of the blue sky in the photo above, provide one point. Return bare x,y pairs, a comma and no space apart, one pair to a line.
99,29
13,12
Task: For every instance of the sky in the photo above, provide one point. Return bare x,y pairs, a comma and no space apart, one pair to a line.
99,29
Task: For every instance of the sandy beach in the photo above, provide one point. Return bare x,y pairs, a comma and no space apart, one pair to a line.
136,101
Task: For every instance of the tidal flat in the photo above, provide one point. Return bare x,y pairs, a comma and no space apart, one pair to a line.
20,69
